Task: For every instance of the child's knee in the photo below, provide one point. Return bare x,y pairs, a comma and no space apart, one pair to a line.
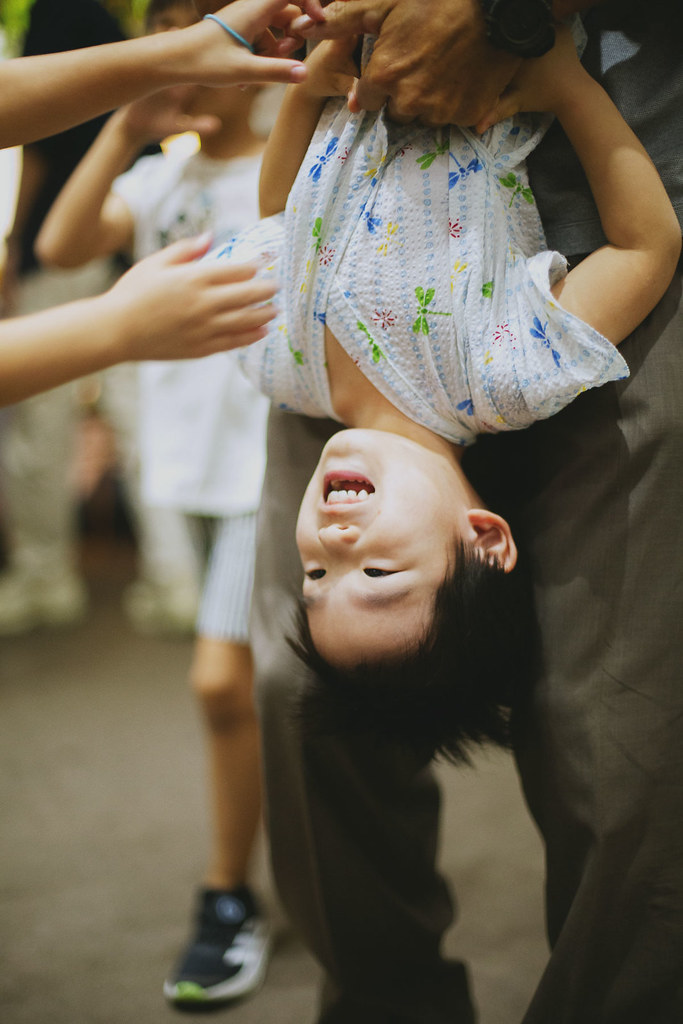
224,692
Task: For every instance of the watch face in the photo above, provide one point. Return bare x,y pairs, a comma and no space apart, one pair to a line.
522,22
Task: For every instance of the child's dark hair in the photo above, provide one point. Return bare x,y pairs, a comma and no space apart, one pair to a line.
455,690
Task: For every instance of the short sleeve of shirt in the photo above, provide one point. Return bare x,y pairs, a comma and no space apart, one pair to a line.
535,357
140,184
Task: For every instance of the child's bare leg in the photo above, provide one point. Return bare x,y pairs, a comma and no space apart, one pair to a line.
227,957
221,676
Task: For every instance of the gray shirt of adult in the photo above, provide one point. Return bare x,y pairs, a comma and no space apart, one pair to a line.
635,51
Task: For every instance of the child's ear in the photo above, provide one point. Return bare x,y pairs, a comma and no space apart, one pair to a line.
492,537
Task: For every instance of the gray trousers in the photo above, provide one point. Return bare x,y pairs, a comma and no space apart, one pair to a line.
599,501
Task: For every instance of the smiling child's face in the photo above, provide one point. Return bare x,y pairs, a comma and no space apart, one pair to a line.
376,529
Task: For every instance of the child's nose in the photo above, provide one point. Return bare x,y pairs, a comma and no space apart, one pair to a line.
339,534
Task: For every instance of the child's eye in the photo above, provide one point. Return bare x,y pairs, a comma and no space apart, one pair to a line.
378,572
315,574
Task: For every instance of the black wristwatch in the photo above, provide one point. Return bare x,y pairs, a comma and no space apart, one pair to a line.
522,27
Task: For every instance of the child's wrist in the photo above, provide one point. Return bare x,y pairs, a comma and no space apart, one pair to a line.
180,57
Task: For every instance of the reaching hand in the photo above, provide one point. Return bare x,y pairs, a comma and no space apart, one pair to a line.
169,306
155,117
432,61
253,20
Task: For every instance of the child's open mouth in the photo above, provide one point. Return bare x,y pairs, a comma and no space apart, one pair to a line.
342,488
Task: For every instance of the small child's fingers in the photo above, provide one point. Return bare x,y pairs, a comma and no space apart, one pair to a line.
239,322
507,105
313,8
244,294
248,319
343,19
218,272
252,17
186,250
285,46
284,18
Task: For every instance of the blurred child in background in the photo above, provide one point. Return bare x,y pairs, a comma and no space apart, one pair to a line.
203,452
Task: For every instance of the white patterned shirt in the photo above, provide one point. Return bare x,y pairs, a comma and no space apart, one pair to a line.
423,252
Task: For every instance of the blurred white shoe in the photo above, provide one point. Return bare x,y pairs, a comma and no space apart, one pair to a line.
29,602
164,610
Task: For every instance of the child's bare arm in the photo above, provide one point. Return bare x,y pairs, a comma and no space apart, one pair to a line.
86,220
168,306
618,285
330,73
615,287
44,95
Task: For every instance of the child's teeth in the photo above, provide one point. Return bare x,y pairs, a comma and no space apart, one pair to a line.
339,494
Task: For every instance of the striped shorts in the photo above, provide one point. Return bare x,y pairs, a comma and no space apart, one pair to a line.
226,597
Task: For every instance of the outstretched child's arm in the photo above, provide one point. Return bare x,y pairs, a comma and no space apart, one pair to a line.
330,72
168,306
88,220
615,287
44,95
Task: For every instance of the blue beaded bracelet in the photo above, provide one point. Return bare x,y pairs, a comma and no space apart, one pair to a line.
231,32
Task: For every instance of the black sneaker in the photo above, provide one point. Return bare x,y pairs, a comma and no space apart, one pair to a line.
228,956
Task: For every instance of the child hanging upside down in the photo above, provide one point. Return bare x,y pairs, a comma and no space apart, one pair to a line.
421,308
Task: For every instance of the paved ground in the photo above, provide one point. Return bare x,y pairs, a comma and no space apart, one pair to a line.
101,790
